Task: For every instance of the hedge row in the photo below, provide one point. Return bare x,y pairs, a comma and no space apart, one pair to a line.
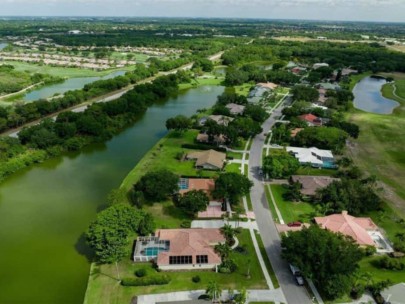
146,281
202,147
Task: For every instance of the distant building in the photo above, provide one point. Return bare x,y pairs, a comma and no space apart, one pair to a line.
311,119
268,85
310,184
298,70
205,139
222,120
322,95
235,109
320,65
321,38
328,86
74,32
181,249
314,157
210,159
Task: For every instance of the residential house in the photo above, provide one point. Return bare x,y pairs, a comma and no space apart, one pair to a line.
328,86
298,70
205,139
295,131
215,209
181,249
394,294
314,157
310,184
210,159
320,65
361,229
222,120
268,85
311,119
235,109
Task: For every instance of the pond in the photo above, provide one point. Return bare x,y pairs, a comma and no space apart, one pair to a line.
45,209
67,85
3,45
368,97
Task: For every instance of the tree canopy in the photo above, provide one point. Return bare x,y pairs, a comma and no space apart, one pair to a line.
329,259
193,202
232,186
280,164
156,186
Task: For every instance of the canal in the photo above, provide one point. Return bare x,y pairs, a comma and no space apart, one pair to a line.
45,209
68,85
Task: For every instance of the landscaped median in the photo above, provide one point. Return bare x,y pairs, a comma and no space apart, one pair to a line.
103,286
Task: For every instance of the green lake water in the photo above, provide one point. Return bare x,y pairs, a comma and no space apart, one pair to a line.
45,209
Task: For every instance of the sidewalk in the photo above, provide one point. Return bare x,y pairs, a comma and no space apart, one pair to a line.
274,295
222,223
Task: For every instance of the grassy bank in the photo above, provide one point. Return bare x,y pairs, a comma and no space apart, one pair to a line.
379,148
104,288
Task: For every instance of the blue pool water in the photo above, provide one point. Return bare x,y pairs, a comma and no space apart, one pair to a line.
153,251
329,164
183,184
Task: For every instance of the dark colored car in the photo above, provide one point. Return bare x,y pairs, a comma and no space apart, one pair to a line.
294,224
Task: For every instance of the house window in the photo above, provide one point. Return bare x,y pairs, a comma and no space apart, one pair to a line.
202,259
181,259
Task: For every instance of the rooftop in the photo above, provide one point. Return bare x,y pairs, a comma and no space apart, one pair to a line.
235,108
312,183
210,157
356,227
268,85
205,184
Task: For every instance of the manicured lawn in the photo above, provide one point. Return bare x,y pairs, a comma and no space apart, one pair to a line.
249,202
315,171
292,211
166,214
164,155
61,71
202,81
366,266
271,205
234,155
104,288
233,168
266,260
243,89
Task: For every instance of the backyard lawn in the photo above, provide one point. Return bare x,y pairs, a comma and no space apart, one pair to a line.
165,155
315,171
235,168
104,288
291,211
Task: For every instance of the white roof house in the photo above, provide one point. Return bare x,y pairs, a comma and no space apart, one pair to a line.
313,156
320,65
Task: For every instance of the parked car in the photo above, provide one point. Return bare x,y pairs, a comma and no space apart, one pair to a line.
297,275
294,224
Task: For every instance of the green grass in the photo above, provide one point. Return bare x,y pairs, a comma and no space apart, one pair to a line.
201,81
164,156
104,288
315,171
291,211
166,214
249,202
266,260
62,71
235,155
379,148
271,205
246,170
243,89
367,266
354,79
235,168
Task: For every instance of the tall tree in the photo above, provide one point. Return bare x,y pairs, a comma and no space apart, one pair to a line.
232,186
193,202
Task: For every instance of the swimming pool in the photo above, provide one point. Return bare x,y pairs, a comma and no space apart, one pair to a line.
329,164
183,183
153,251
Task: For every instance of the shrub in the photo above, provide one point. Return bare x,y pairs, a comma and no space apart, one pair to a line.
185,224
390,264
196,279
202,147
224,270
140,273
146,281
370,250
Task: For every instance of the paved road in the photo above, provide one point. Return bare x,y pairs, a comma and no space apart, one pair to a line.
268,231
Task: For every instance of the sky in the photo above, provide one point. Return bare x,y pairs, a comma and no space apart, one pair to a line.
356,10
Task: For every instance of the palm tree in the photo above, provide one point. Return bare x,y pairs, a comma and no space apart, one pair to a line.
229,233
223,250
213,291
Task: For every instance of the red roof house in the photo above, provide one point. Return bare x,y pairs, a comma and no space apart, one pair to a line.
311,119
356,227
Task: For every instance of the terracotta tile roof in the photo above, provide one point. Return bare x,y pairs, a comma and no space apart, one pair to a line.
268,85
210,157
308,117
192,242
295,131
312,183
349,225
205,184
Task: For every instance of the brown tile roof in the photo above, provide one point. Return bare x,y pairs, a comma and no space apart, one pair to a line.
312,183
268,85
295,131
210,157
221,119
235,108
205,184
349,225
195,241
204,138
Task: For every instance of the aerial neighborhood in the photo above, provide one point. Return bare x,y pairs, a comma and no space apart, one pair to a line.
202,161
